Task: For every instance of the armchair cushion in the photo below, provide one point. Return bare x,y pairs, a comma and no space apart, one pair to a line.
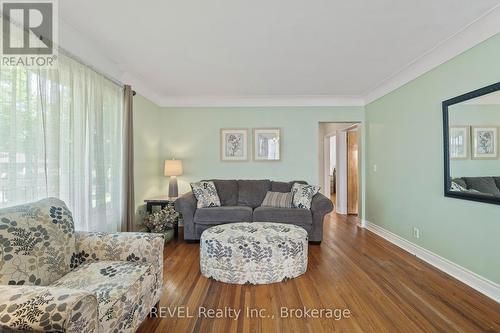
37,308
36,242
120,287
124,246
118,246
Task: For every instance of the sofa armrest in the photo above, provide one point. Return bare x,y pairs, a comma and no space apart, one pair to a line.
119,246
186,205
321,205
37,308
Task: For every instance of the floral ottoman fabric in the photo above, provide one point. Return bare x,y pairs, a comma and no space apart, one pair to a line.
255,253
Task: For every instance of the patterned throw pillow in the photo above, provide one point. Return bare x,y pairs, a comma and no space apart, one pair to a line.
457,187
303,195
278,199
206,194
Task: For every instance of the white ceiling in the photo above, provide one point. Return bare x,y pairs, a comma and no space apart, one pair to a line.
180,49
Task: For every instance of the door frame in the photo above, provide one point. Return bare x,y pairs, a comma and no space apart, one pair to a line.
341,200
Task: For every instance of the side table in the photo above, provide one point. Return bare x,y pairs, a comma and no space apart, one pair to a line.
162,202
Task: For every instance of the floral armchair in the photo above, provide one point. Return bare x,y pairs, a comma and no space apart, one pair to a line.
55,279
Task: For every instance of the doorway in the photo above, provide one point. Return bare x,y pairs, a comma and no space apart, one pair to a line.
340,165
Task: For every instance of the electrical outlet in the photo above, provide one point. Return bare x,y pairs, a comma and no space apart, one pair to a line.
416,232
374,168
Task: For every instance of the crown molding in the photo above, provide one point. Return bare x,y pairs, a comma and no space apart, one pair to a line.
484,27
259,101
141,87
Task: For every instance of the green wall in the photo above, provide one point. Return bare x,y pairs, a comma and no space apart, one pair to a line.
402,134
475,115
147,162
192,134
404,138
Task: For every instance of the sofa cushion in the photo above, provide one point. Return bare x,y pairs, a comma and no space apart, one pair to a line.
121,288
216,215
37,241
251,193
282,215
482,184
284,187
227,191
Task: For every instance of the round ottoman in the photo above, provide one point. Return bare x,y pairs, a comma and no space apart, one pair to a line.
256,253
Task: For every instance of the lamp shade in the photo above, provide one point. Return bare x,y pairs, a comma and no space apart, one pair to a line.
173,167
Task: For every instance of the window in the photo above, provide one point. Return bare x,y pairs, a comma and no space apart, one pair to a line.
61,135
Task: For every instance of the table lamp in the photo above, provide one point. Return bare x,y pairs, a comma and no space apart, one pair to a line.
173,168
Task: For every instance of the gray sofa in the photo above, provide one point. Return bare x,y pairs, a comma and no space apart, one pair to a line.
489,186
240,202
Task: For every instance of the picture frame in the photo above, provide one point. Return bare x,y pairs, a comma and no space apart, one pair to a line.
267,144
460,142
234,144
484,142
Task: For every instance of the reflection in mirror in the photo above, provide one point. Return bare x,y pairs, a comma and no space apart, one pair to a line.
473,128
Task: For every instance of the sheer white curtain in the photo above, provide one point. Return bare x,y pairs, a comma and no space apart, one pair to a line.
61,135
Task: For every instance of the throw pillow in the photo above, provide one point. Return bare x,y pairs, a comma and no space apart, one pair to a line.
457,187
303,195
278,199
206,194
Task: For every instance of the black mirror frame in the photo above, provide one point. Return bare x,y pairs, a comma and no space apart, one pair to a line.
446,136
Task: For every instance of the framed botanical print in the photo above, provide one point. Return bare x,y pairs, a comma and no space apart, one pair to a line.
459,142
234,144
484,142
266,144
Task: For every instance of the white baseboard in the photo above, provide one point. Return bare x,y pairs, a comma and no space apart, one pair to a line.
481,284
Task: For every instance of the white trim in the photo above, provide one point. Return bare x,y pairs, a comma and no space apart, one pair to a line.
256,101
341,174
326,167
479,30
481,284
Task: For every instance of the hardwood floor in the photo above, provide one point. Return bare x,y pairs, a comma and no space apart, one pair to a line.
385,289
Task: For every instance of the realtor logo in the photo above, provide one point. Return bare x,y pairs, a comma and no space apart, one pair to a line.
29,33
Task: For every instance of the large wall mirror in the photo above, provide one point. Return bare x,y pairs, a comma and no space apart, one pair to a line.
471,145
